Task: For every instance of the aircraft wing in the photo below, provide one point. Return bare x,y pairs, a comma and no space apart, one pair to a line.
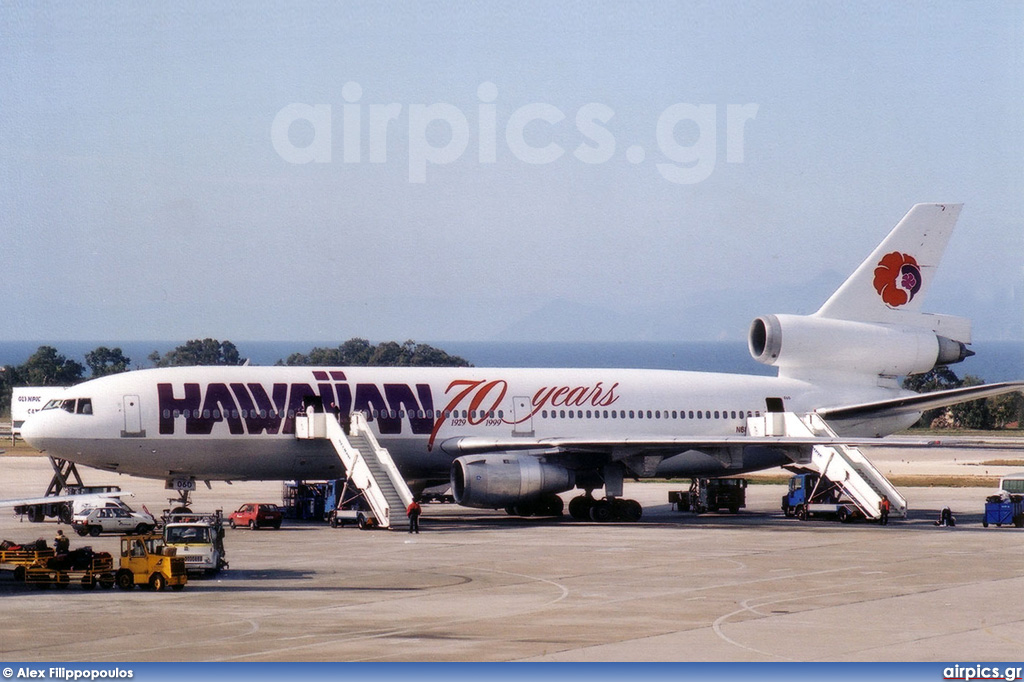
919,402
627,446
28,501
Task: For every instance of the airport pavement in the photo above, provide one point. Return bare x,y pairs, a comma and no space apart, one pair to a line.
482,586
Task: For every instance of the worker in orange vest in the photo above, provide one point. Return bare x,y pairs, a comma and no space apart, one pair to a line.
883,509
413,512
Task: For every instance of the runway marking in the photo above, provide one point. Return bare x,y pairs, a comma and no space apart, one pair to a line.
331,639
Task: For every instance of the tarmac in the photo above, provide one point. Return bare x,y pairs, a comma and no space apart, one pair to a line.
483,586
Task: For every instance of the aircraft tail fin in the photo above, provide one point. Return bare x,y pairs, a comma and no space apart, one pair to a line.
890,286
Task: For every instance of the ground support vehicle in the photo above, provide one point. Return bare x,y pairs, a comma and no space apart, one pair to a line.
82,566
347,505
814,495
198,539
711,494
1004,509
18,558
147,561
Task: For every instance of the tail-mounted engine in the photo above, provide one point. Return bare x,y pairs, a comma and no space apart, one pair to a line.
798,342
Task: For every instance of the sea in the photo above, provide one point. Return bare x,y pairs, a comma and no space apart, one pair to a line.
994,360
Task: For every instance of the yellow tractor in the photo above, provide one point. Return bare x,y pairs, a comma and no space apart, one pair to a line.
147,561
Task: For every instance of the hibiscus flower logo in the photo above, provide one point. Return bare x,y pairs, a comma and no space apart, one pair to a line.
897,279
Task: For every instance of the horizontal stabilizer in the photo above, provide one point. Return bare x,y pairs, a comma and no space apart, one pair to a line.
919,402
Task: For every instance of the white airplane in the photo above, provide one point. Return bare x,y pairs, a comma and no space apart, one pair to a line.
514,438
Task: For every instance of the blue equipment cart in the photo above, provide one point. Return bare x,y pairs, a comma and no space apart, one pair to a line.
999,511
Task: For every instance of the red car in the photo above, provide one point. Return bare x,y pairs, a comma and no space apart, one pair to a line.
257,515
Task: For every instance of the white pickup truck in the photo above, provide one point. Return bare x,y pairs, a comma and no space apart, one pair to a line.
199,538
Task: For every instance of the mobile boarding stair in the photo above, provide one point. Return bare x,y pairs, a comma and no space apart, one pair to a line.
369,466
844,465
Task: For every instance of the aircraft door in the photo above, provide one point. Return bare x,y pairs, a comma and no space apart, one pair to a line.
132,417
522,416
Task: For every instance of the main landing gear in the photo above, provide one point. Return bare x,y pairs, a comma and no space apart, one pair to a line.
612,507
585,507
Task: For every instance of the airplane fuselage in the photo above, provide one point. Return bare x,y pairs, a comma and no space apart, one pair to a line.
238,423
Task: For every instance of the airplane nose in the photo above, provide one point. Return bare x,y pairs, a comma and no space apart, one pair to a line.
32,433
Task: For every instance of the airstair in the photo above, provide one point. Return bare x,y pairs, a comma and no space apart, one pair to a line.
369,466
844,465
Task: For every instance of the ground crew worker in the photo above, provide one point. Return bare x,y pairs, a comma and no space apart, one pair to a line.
413,512
884,506
61,544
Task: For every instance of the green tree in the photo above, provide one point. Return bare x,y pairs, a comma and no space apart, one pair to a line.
358,352
975,414
103,361
1007,410
6,376
938,379
198,352
47,367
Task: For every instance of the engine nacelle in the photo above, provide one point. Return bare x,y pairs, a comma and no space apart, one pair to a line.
803,342
495,481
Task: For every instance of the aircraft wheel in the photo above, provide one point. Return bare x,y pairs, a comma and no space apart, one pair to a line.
630,510
601,511
551,505
525,509
579,507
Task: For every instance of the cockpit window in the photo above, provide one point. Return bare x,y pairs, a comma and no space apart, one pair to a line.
71,405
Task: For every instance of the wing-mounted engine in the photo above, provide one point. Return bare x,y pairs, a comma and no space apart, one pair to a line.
502,480
796,343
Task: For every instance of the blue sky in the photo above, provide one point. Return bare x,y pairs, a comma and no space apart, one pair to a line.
145,195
